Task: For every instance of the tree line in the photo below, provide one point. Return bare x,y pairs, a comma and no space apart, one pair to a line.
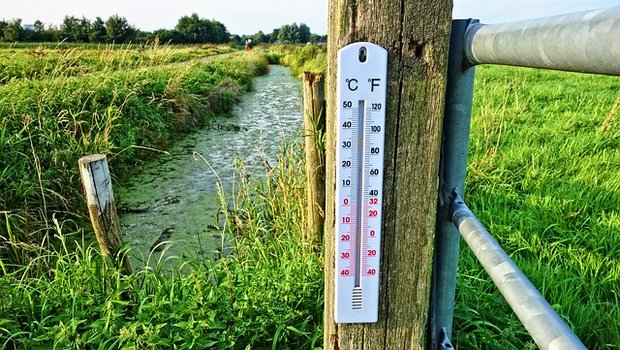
189,30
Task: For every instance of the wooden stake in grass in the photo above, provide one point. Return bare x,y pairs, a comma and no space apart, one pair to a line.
101,208
416,35
314,124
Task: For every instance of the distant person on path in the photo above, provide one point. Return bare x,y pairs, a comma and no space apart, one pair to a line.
248,44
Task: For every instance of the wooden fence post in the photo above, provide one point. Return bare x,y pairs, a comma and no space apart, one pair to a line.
314,126
416,35
101,208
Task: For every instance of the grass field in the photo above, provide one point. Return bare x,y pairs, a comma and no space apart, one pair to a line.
47,124
44,62
267,294
306,58
543,176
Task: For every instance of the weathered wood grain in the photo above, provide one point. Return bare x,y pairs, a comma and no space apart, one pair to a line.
314,127
416,35
101,208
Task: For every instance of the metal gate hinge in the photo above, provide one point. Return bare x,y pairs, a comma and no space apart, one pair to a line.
445,343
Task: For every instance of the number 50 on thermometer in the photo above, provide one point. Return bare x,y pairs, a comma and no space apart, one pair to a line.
361,91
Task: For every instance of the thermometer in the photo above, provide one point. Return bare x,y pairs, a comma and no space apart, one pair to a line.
361,90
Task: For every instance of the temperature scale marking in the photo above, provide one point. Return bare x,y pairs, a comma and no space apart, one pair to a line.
361,91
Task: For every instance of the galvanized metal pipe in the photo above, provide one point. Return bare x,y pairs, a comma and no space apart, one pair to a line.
543,324
586,42
453,164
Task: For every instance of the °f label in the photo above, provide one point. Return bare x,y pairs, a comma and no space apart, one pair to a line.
361,89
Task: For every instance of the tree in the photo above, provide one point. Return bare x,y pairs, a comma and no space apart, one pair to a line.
286,34
260,37
35,34
119,30
190,29
273,37
167,36
13,30
194,29
304,33
219,34
83,30
38,26
3,25
28,35
97,33
70,28
141,37
315,38
235,39
293,33
51,33
76,29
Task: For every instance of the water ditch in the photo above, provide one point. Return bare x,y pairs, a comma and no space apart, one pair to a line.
175,197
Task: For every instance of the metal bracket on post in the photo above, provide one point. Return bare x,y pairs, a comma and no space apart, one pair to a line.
445,343
453,163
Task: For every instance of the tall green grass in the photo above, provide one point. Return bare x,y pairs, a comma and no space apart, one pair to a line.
59,292
544,177
299,58
267,294
46,125
41,62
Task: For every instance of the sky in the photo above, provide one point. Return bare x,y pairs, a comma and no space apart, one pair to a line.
248,17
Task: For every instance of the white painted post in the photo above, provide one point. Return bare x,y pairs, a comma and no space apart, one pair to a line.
101,208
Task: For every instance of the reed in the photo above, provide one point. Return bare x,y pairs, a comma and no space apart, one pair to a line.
47,125
266,294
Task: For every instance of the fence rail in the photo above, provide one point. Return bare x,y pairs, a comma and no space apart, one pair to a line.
582,42
585,42
544,325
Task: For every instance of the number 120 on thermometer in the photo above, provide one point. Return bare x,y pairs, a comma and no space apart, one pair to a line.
361,89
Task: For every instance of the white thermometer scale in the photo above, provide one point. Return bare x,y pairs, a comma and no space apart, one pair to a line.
361,90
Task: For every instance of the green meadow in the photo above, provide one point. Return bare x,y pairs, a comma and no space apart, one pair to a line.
27,61
125,112
543,176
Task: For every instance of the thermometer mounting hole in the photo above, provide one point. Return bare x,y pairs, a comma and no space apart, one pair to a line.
363,54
